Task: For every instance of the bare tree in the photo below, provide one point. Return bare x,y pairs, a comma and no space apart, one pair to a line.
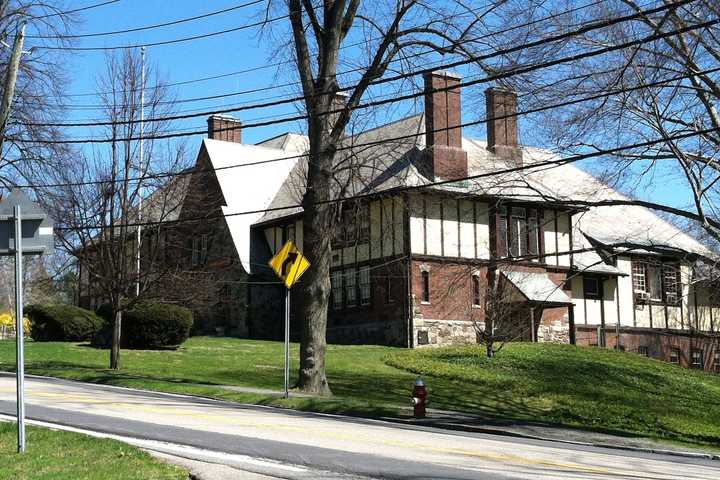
99,221
390,33
39,90
665,89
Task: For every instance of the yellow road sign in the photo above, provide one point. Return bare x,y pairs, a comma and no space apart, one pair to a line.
289,264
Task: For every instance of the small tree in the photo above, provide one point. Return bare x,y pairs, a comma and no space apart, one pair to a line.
99,221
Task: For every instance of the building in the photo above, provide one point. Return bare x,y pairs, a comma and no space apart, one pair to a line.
445,222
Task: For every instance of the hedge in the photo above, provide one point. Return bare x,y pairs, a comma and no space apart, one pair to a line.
57,323
149,325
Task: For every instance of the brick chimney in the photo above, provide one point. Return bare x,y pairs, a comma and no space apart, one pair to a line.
502,131
224,127
443,132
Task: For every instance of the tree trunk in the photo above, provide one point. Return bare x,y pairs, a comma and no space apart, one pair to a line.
317,235
115,347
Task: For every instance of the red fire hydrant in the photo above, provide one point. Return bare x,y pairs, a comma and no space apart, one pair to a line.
419,398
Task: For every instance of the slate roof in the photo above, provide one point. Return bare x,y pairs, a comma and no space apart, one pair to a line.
381,162
537,287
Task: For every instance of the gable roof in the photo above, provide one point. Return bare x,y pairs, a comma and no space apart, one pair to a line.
391,157
251,186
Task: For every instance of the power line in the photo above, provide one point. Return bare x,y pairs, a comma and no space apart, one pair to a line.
277,64
377,142
167,42
148,27
395,99
555,163
80,9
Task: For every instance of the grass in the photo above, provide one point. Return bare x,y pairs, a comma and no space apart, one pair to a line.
54,455
588,388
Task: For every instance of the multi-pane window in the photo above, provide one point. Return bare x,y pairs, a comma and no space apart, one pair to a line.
425,278
643,350
337,289
476,290
656,281
671,281
350,287
696,358
638,278
200,250
518,232
364,283
675,355
350,280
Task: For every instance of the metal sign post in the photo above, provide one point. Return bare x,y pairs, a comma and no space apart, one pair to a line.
287,343
19,330
24,230
288,264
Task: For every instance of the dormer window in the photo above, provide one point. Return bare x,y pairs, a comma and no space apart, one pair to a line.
518,232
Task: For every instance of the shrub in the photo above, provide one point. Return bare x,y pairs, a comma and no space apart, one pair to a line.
156,325
50,323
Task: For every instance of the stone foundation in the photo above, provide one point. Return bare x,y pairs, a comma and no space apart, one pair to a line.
444,332
554,331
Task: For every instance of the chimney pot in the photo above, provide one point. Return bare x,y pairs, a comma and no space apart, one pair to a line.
443,130
502,131
224,127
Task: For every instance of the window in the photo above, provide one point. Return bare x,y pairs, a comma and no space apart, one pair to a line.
350,281
425,276
655,281
518,232
365,286
355,227
476,290
388,289
643,350
289,233
716,361
363,224
337,289
591,287
696,359
638,278
671,274
204,241
197,251
675,355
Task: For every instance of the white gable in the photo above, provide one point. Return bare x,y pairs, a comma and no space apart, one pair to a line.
249,187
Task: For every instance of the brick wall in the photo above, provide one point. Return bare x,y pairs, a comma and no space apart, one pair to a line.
657,343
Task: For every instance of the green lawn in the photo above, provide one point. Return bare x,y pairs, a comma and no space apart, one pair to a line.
53,455
590,388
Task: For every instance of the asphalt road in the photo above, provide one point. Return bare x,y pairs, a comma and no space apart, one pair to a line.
288,444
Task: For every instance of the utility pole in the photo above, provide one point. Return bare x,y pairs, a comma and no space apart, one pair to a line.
142,165
5,108
10,80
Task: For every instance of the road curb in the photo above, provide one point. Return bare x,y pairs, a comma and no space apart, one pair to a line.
510,433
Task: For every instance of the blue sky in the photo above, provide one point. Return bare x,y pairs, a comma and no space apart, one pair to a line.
217,55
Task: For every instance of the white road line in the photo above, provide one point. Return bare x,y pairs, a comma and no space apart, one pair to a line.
171,448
